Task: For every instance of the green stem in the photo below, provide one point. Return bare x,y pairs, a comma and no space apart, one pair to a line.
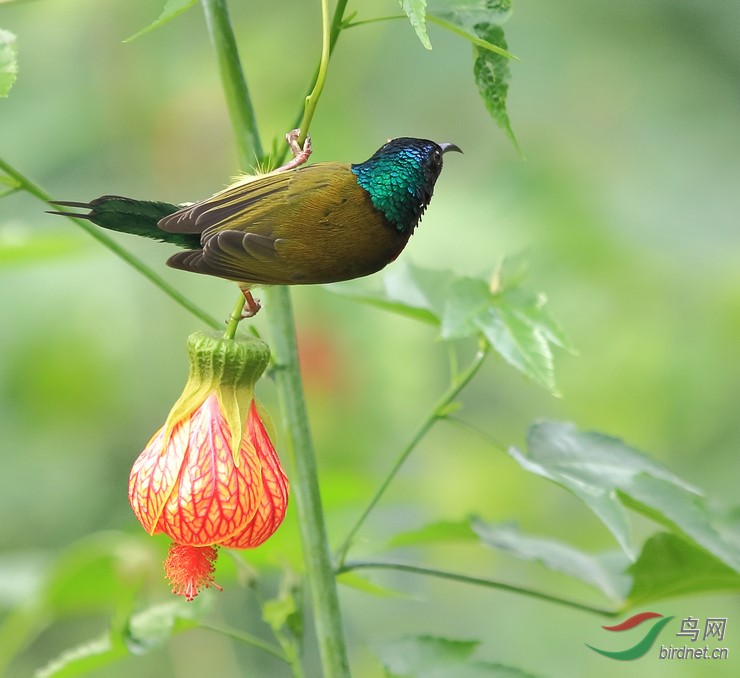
490,583
439,411
248,638
238,101
334,31
312,99
442,23
235,318
319,571
34,189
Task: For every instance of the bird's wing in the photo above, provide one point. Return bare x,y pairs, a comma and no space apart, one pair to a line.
276,229
241,203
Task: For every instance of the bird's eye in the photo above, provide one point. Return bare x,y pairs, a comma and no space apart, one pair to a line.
437,157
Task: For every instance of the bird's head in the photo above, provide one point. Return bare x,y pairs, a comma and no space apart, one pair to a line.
400,178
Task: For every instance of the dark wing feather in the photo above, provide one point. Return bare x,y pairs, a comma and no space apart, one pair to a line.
238,204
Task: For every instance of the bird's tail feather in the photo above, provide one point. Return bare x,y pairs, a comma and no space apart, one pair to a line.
138,217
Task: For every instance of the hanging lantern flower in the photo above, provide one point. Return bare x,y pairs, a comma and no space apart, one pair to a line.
210,476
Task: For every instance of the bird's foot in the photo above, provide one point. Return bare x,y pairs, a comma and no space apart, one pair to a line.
300,155
251,305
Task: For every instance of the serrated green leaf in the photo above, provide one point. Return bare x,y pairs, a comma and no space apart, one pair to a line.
607,475
467,299
670,566
468,14
434,533
358,291
154,626
590,569
462,17
412,656
522,344
146,631
171,9
418,287
82,659
8,61
511,273
681,510
416,11
530,308
436,657
492,74
409,290
513,320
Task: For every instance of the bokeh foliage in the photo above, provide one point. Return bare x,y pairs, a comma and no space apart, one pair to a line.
627,114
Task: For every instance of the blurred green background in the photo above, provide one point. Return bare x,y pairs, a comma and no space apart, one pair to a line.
628,201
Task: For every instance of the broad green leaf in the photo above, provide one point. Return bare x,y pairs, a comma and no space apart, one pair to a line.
435,657
154,626
467,300
416,11
513,319
8,62
594,571
465,17
608,475
171,9
492,74
670,566
522,344
408,290
146,631
467,14
83,659
97,573
434,533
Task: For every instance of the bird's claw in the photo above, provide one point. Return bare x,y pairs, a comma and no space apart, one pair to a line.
300,154
251,305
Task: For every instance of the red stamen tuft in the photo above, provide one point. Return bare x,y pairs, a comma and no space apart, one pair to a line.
190,569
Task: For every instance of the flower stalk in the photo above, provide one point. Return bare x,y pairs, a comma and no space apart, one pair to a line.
319,570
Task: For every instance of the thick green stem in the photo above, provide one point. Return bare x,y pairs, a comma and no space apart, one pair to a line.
238,101
465,579
25,184
439,411
319,570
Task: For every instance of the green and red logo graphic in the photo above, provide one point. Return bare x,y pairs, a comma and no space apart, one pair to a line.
639,649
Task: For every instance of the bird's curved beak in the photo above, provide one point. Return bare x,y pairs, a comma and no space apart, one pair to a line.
449,147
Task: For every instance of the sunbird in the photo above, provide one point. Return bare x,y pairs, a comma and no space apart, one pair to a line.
299,224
